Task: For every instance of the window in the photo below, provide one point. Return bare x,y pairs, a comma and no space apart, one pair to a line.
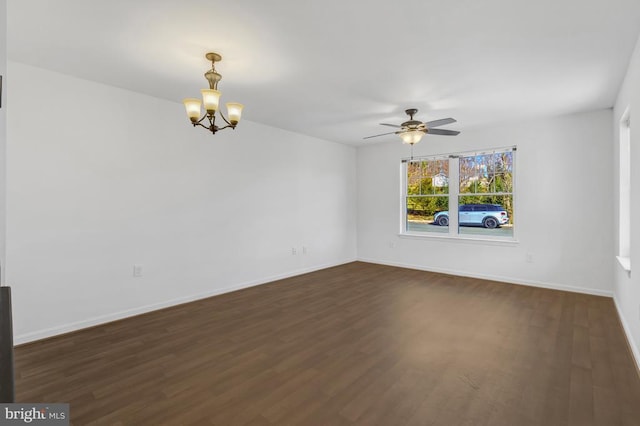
486,184
427,194
479,204
624,200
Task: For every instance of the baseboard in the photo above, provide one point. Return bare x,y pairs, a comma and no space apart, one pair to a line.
103,319
509,280
633,346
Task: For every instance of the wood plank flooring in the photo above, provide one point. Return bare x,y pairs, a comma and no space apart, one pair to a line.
358,344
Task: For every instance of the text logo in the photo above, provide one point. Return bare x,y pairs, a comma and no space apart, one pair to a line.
34,414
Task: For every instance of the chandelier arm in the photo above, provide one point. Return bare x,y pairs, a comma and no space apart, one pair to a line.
212,123
199,124
212,128
226,121
195,123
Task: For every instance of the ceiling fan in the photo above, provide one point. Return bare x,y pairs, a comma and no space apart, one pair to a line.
412,131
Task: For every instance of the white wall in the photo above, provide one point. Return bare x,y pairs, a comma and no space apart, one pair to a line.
100,179
562,165
3,135
627,286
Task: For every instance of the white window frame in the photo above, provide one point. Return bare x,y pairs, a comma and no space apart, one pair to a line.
624,192
454,194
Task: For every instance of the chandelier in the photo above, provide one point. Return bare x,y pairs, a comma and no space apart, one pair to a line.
211,99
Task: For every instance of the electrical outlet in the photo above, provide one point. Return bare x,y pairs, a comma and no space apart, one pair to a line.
137,270
304,250
392,244
294,251
529,258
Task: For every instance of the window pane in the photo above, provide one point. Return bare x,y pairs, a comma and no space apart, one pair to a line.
624,187
428,214
475,174
428,177
427,199
490,215
502,179
440,183
414,175
467,175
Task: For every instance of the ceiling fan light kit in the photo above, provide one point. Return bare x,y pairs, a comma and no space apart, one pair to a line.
211,101
411,137
412,131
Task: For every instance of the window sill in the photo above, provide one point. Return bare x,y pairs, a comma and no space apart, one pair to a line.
625,262
460,239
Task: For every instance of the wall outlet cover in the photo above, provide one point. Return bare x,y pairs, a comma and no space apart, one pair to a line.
137,270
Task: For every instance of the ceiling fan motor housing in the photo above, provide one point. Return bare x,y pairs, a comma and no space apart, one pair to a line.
412,124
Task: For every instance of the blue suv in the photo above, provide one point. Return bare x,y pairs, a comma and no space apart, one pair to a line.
487,215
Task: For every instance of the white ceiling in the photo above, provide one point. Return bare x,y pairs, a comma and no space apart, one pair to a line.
334,69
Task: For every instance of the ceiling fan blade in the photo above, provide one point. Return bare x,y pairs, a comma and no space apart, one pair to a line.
441,122
381,134
392,125
443,132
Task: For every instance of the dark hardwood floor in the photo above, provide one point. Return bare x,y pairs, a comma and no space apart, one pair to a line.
356,344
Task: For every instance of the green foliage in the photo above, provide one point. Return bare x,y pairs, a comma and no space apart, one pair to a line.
426,207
